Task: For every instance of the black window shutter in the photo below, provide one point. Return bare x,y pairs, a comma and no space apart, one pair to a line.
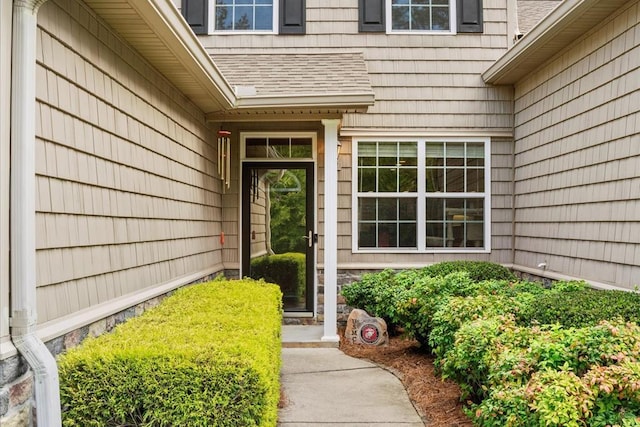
195,13
371,16
292,17
469,16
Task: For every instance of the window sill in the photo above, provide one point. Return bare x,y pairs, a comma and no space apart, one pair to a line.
422,252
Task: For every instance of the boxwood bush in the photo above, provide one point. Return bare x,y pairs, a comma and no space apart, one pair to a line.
209,355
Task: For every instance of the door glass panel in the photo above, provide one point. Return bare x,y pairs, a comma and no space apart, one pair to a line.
279,232
279,147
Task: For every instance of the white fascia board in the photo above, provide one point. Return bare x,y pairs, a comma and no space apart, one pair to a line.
309,101
547,29
170,26
423,133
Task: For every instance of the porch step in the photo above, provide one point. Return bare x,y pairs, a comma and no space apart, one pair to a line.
304,336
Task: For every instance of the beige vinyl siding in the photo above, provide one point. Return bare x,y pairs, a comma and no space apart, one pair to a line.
422,82
578,156
127,196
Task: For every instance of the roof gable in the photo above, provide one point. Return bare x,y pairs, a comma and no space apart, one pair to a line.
569,21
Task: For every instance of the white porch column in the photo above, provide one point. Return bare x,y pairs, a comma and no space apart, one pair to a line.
330,230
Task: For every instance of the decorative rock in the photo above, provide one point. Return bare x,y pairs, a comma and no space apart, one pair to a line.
364,329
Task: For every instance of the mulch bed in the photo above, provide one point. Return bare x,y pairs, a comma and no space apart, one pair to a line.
437,401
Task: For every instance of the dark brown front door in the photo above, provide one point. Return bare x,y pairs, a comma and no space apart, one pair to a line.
278,235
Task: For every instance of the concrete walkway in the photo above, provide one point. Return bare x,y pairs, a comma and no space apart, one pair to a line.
323,386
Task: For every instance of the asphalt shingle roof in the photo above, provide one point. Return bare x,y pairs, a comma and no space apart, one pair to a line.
530,12
297,74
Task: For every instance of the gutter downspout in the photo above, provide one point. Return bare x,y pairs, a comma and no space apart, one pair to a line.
23,216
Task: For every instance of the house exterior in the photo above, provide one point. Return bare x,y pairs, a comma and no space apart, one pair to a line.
405,134
576,133
424,174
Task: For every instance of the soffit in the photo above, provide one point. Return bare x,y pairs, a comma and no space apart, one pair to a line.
565,24
283,85
158,32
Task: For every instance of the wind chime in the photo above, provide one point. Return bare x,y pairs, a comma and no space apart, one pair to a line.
224,158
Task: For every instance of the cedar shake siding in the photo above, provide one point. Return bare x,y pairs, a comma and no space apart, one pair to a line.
127,190
577,156
424,84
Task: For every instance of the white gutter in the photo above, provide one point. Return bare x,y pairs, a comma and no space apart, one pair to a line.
570,20
23,319
344,100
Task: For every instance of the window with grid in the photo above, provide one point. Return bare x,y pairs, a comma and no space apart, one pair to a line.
420,15
421,195
244,15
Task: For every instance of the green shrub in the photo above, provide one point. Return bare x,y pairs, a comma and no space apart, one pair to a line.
580,307
478,270
460,310
287,270
424,299
408,298
573,376
379,294
209,355
429,294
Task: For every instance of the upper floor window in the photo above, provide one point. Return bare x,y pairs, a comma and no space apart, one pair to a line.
420,15
244,15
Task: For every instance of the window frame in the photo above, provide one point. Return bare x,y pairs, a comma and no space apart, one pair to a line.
421,196
453,16
212,22
252,134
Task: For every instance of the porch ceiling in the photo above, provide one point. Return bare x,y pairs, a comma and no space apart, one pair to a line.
281,86
158,32
568,22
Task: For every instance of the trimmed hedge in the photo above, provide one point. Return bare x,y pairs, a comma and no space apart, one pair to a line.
478,270
584,307
288,270
209,355
399,296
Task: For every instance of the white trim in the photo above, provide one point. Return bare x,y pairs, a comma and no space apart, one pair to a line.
172,30
453,27
211,24
273,134
329,100
564,277
421,193
58,327
330,230
569,21
314,149
418,133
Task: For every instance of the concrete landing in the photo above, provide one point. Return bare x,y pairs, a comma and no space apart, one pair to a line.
304,336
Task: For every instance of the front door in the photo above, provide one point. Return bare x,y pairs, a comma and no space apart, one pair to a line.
278,234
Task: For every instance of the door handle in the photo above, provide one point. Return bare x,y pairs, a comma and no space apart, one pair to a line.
311,238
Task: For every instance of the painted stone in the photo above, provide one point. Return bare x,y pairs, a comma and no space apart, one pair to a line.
364,329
